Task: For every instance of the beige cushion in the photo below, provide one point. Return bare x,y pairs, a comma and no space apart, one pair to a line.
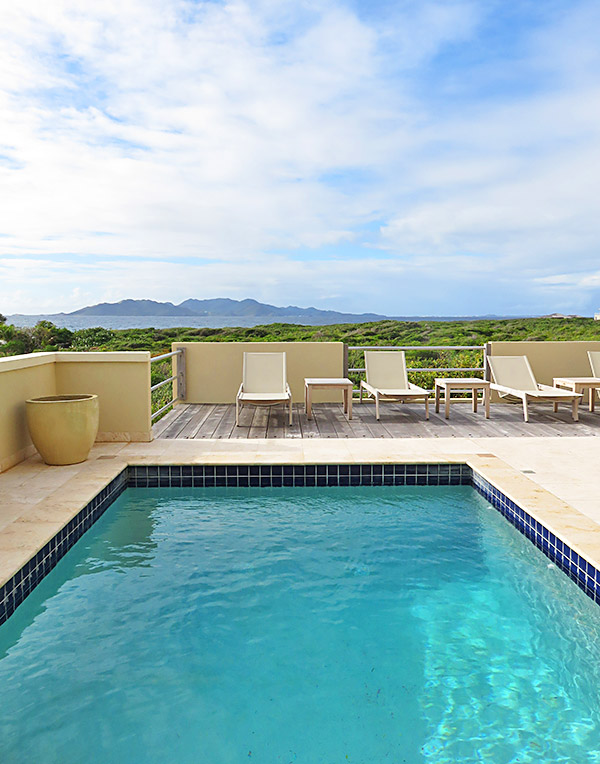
386,370
512,371
264,374
594,356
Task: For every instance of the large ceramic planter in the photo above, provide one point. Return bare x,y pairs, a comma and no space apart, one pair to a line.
63,428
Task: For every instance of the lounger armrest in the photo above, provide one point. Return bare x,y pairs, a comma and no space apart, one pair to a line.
369,388
558,391
241,390
288,390
506,390
417,389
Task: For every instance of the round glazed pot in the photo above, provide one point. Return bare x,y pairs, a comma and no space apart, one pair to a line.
63,428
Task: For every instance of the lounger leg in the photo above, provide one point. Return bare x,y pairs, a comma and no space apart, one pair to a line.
576,410
426,407
555,407
525,413
237,412
376,405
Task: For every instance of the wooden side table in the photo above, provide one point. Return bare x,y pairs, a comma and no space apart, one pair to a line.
579,385
316,383
447,384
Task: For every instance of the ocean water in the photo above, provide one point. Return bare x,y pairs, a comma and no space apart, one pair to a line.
214,322
364,625
166,322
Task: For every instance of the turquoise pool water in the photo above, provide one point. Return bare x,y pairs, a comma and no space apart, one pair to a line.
315,626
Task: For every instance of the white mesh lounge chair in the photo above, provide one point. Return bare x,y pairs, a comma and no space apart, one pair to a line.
594,356
514,379
264,382
387,379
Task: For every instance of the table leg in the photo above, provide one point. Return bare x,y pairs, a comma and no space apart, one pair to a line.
486,401
592,398
437,399
474,395
308,402
447,401
349,394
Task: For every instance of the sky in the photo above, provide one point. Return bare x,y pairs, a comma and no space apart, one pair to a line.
407,157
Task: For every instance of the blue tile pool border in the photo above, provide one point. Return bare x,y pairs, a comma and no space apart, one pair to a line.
17,588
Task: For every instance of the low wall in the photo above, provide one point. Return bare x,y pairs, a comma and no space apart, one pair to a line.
21,377
549,359
121,381
214,369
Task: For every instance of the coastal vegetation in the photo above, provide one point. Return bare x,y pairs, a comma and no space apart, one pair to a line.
45,336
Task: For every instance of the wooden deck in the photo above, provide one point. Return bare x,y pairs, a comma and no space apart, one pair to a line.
205,420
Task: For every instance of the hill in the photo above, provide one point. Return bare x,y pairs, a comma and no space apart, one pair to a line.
221,306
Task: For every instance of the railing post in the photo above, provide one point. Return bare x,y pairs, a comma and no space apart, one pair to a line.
181,391
345,360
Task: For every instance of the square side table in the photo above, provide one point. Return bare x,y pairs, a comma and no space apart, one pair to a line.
579,385
328,383
447,384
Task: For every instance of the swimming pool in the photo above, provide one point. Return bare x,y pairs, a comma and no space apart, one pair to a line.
360,624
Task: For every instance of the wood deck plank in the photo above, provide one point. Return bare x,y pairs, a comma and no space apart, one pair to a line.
340,422
324,420
365,415
200,413
190,421
177,424
164,422
227,423
260,422
212,421
308,427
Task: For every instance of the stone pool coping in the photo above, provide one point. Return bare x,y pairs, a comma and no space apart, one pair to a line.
37,501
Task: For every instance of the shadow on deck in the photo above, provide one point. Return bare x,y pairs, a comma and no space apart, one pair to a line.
205,420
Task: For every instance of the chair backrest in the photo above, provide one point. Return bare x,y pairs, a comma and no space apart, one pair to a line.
386,369
264,373
512,371
594,356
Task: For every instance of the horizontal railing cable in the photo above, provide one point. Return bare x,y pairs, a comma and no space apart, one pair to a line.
179,378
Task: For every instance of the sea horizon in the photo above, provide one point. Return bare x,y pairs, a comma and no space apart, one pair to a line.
77,322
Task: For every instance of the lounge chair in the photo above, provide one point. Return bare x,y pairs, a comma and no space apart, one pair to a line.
264,382
387,379
594,356
514,379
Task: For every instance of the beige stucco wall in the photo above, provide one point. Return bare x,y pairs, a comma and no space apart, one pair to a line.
121,381
550,359
214,369
21,377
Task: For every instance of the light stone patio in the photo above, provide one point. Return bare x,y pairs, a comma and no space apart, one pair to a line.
556,480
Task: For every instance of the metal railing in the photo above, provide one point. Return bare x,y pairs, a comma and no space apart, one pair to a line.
419,348
178,378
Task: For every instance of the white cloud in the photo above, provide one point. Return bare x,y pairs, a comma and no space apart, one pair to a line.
172,129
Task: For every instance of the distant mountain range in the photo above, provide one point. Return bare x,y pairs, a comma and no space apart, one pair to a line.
220,306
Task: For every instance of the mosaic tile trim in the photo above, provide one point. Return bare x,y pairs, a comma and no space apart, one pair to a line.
579,570
298,475
14,591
